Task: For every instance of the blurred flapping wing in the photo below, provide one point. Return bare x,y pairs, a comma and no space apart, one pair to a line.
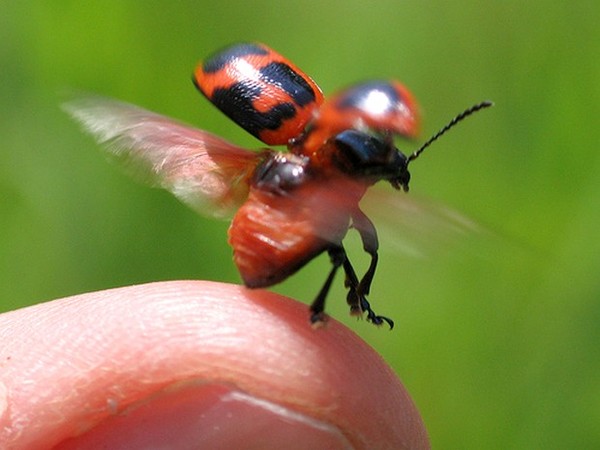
204,171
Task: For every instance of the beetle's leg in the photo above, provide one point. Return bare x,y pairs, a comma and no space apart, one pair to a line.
337,255
368,235
352,283
360,290
359,303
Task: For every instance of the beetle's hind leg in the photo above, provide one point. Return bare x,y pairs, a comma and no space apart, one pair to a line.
338,257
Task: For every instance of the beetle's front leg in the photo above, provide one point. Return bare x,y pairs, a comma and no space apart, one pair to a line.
368,235
360,289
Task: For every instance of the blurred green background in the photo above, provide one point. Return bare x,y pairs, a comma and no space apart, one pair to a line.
497,331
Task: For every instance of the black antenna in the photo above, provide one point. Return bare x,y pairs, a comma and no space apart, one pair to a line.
461,116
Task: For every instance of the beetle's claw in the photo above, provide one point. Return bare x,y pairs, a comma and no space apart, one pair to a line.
371,316
318,319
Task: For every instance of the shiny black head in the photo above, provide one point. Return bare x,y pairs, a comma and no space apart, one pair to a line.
373,158
376,158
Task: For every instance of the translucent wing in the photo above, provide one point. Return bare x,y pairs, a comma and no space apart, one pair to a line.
204,171
419,226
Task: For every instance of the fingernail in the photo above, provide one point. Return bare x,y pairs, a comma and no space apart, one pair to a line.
212,416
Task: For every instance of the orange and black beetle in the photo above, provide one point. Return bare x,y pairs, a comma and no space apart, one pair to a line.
295,204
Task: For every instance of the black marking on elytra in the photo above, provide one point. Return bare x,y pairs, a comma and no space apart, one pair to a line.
357,96
223,57
237,103
296,86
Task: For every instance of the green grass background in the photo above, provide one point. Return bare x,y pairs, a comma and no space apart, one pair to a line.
497,334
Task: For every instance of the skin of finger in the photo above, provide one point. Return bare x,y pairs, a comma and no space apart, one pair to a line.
68,365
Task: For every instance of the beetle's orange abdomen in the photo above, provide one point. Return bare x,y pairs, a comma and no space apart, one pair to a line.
274,235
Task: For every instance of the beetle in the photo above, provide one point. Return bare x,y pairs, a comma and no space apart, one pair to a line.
294,204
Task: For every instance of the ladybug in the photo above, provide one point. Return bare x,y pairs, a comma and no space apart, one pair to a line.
293,204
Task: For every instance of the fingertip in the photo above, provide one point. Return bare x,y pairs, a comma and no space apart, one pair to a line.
95,360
